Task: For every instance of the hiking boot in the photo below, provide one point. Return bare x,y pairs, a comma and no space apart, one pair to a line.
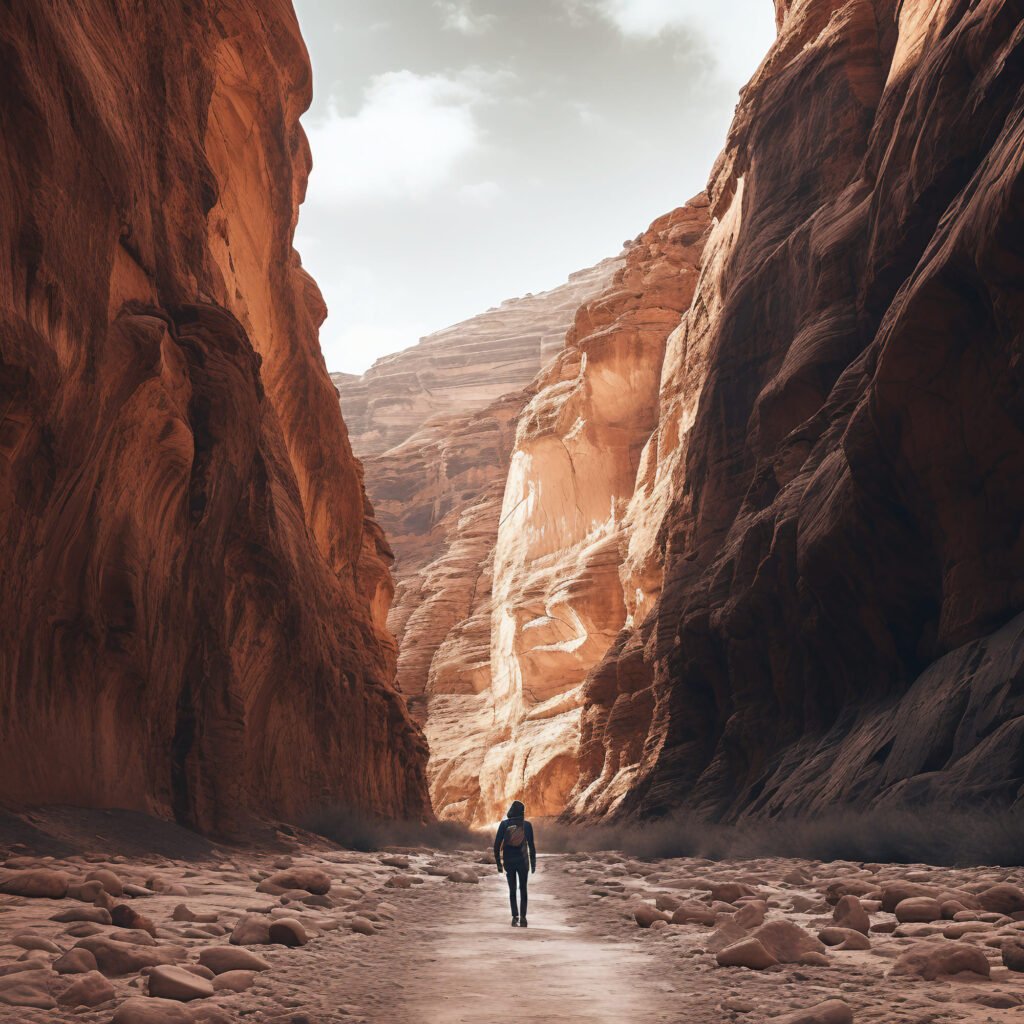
515,922
522,923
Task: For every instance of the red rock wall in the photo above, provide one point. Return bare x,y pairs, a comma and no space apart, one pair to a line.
843,551
192,597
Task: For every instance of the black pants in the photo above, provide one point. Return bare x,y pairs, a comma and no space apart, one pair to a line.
512,872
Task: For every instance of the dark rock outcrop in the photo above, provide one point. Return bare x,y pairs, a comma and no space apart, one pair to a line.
843,552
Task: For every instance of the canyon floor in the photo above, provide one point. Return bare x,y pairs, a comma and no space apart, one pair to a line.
423,935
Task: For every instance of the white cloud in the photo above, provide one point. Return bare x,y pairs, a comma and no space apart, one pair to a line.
406,140
734,31
460,17
481,193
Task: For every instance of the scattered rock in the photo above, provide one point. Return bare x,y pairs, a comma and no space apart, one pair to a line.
223,959
730,892
751,914
1002,899
844,938
849,913
91,989
251,930
362,926
97,915
84,891
142,1010
27,988
115,958
35,883
1012,951
30,941
645,915
462,875
396,862
176,983
75,961
234,981
310,879
929,960
693,913
286,931
748,952
833,1011
125,916
108,881
787,942
918,909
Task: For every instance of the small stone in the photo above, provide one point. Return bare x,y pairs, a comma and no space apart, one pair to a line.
35,883
396,862
693,912
75,961
222,959
29,941
310,879
930,960
27,988
748,952
142,1010
91,989
730,892
1012,951
833,1011
251,930
97,915
234,981
84,891
787,942
362,926
168,982
849,913
918,909
1002,899
125,916
286,931
108,880
462,875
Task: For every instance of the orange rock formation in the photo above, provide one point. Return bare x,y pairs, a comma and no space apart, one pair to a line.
193,598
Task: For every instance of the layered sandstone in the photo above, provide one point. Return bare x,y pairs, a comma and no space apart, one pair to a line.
463,367
546,541
193,595
834,485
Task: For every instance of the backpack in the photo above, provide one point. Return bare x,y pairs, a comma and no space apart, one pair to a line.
515,839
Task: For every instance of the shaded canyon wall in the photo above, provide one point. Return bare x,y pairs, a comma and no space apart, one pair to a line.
193,597
840,616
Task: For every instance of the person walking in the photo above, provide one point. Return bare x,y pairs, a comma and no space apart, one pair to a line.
514,846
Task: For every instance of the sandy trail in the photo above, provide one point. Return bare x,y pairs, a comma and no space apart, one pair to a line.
474,967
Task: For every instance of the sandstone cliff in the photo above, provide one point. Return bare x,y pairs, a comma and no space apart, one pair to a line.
193,597
842,432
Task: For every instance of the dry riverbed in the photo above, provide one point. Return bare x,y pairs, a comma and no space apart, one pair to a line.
419,935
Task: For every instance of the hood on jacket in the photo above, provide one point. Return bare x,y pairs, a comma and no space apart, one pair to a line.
517,810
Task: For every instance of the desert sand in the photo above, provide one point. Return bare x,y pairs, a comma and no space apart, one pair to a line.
323,934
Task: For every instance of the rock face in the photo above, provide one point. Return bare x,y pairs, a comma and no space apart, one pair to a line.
193,606
449,406
489,574
463,367
842,432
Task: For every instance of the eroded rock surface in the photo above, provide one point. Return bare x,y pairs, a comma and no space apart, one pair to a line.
842,437
192,618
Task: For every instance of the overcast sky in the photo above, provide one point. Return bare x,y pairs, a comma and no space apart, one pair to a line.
468,151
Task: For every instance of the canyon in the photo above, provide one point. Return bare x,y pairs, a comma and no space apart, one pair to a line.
749,543
193,591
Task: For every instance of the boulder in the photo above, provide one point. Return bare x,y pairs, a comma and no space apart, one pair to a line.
286,931
143,1010
1012,951
84,891
930,960
918,909
108,881
310,879
115,958
222,959
751,914
97,915
35,883
748,952
645,915
849,913
75,961
730,892
234,981
91,989
28,941
897,892
27,988
692,912
176,983
833,1011
125,916
251,930
787,942
1002,899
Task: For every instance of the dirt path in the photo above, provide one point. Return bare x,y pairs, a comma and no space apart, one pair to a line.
471,966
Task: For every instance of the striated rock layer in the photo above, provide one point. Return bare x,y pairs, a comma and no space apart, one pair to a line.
842,432
192,595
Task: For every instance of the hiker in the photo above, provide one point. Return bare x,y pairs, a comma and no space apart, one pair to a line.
515,836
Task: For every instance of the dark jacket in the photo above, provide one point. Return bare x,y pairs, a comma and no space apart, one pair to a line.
514,856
